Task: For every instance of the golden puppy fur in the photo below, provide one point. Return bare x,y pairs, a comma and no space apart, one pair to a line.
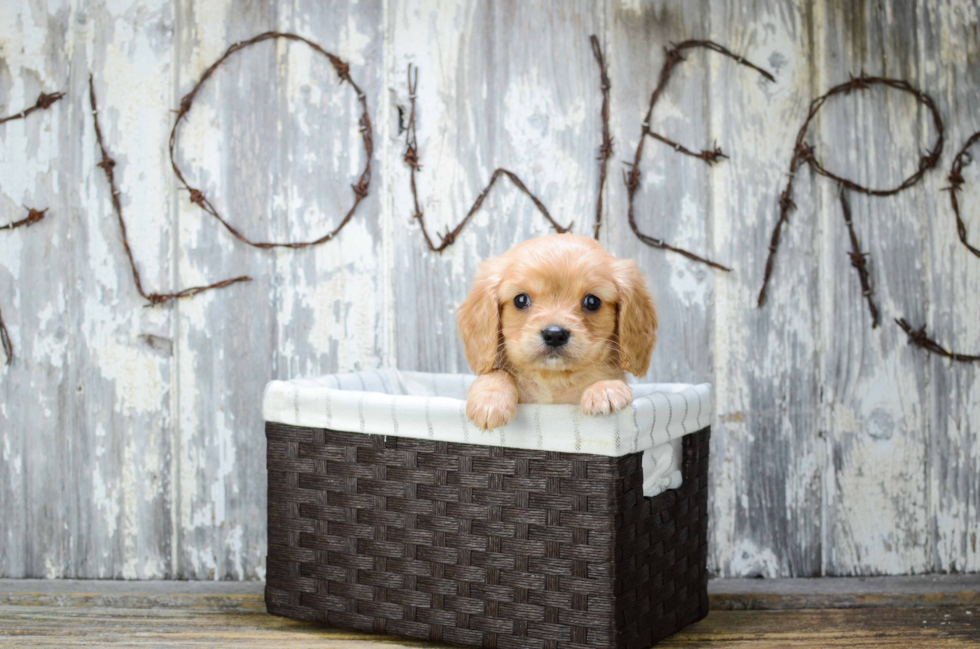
537,293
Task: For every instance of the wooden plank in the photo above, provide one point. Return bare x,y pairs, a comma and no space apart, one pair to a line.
500,85
874,388
767,458
833,628
35,168
229,148
845,592
883,612
947,45
919,591
47,627
121,356
330,299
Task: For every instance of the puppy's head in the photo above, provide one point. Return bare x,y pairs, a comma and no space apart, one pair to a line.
558,303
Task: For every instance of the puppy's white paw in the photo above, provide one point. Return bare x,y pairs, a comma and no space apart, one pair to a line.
491,408
604,397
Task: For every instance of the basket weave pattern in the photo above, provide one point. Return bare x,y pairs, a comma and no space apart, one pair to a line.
482,546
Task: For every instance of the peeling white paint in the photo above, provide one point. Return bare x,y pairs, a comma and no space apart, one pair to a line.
870,444
139,384
749,560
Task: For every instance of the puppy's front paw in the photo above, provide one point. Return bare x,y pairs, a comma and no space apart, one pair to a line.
491,408
604,397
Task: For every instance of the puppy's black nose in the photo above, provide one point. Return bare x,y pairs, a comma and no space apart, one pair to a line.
554,336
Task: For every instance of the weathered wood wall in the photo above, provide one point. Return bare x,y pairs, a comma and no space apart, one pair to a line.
131,441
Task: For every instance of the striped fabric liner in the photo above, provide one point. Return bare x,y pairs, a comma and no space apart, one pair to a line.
433,406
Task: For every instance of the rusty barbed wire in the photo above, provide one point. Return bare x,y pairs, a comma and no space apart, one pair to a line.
411,155
413,161
8,346
44,101
859,260
919,338
710,156
108,164
360,188
33,217
956,181
804,153
606,148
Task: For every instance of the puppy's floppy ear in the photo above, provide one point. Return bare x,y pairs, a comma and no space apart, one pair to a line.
637,318
478,318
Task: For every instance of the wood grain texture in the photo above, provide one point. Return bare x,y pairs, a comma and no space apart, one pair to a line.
768,469
131,441
230,146
34,160
953,74
30,626
178,614
875,393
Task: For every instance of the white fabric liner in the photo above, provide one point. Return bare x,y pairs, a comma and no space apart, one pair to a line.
433,406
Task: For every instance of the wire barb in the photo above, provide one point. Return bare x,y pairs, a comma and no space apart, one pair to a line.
859,260
33,216
919,338
44,102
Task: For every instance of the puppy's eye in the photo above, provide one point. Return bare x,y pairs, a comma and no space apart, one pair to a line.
522,301
591,303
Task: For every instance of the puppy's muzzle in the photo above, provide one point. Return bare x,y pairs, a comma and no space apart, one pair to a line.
555,336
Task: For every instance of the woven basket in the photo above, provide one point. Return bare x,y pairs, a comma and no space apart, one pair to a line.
482,545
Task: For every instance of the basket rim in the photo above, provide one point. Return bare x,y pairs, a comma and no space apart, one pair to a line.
413,405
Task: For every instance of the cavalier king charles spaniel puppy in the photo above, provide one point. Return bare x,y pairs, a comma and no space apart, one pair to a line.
556,319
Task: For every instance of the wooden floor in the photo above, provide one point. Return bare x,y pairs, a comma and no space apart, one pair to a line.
876,612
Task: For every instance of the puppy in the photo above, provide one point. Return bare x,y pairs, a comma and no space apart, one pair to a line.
556,319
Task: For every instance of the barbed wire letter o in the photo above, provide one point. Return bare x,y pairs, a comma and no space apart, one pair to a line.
343,73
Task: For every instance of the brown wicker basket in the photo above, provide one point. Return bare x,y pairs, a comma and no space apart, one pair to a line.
482,546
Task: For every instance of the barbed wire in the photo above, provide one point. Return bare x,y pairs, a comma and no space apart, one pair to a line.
413,161
956,181
804,153
33,216
108,165
364,180
44,101
709,156
606,148
918,338
859,260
